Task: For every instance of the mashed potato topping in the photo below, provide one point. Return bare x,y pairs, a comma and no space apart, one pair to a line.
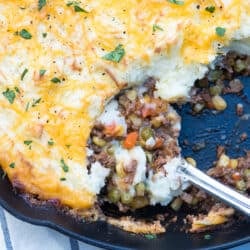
60,61
164,187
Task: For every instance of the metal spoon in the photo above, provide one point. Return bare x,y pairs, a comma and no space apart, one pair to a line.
215,188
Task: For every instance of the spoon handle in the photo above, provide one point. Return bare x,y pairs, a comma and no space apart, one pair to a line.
215,188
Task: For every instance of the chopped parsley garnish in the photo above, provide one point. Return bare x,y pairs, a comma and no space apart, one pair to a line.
207,237
64,166
42,72
27,106
17,90
76,6
71,3
55,80
176,2
41,4
150,236
25,34
68,145
44,35
79,9
157,27
23,74
9,95
115,55
63,179
35,102
27,142
220,31
12,165
51,142
210,9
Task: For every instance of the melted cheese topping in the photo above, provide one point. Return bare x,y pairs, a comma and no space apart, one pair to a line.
60,105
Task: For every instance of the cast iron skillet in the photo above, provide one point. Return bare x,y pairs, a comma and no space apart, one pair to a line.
222,129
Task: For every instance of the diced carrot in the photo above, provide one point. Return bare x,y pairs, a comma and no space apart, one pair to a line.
147,112
130,140
109,129
236,176
159,143
113,130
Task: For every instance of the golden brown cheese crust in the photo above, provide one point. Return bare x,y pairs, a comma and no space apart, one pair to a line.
138,227
26,178
214,218
54,80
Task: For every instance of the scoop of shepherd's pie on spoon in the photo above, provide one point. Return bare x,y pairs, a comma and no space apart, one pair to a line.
136,138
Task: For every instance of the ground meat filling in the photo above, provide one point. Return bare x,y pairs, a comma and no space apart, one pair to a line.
208,213
149,127
207,92
146,131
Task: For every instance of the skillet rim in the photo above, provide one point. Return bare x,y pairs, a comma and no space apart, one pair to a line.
52,225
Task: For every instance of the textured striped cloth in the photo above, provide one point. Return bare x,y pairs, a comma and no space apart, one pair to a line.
19,235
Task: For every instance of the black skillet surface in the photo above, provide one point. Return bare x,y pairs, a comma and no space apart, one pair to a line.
213,130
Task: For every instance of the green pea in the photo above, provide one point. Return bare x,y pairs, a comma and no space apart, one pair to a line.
194,201
126,198
114,195
214,75
139,202
99,142
146,133
110,150
241,185
215,90
247,173
240,65
140,189
176,204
